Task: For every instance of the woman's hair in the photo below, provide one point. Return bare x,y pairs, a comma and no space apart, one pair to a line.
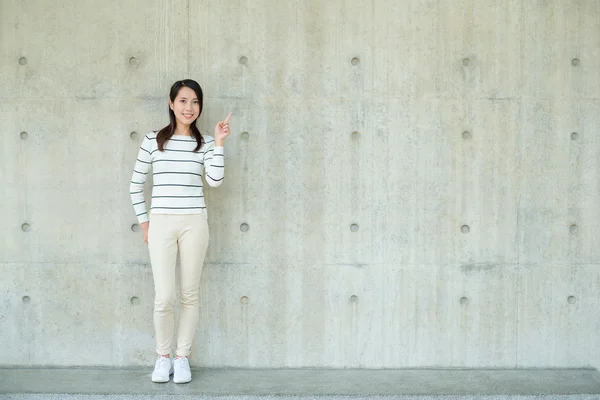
167,132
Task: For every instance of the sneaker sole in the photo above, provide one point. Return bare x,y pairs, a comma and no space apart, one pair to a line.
188,381
164,381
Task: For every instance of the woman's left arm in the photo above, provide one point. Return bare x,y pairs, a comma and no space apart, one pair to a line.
214,158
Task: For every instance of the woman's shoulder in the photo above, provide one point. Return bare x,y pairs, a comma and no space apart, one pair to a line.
151,135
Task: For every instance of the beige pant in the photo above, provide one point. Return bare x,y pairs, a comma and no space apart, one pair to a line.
189,234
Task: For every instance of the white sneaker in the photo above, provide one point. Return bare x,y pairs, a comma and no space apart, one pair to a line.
182,370
163,369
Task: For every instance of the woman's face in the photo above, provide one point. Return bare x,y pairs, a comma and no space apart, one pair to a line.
186,106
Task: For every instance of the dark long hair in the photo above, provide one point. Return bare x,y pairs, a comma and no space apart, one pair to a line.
167,132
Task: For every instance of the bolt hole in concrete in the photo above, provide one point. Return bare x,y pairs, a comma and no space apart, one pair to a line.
244,300
466,135
355,61
26,299
573,228
24,135
354,227
22,60
134,301
464,300
244,227
354,299
245,136
135,227
25,227
571,299
466,62
133,61
465,229
355,135
243,60
574,136
575,62
133,135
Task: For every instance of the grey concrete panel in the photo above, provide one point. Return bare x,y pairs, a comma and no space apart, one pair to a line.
419,187
264,315
76,314
370,316
450,50
74,50
296,49
556,319
559,220
57,180
433,181
555,34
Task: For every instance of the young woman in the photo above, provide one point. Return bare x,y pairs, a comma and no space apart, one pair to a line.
178,155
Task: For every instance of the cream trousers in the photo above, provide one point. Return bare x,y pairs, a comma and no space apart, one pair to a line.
168,234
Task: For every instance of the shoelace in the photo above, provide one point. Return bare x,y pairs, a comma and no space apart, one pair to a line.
182,361
162,362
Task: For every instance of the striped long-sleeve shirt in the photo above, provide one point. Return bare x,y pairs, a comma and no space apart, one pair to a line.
176,174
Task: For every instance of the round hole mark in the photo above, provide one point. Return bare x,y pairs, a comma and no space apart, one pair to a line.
574,136
466,135
571,299
354,299
135,227
244,227
575,62
23,61
133,135
355,61
466,62
134,301
573,228
24,135
26,227
355,135
243,60
26,299
244,300
465,229
133,61
245,136
464,300
354,227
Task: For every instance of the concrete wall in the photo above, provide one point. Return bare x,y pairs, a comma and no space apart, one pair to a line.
462,141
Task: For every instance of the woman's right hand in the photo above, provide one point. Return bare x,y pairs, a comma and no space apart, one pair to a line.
145,226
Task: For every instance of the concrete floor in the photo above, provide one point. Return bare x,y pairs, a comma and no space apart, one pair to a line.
305,383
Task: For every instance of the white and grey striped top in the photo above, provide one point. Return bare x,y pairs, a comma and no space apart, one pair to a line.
176,175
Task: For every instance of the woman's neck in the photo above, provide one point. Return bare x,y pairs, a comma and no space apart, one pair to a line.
183,130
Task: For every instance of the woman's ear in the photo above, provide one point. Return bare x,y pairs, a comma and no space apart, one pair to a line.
171,105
